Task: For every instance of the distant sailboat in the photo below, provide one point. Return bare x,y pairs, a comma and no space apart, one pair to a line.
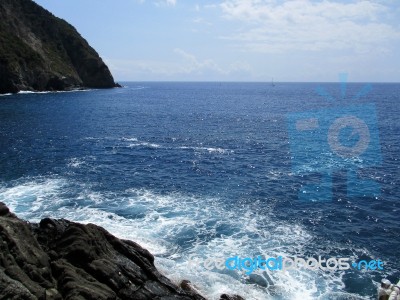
272,82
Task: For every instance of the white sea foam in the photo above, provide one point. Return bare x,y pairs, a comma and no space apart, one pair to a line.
30,197
75,162
208,149
53,92
274,174
133,142
33,92
129,139
144,144
138,88
206,227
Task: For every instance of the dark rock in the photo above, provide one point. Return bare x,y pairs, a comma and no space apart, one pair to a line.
187,286
39,51
22,260
59,259
3,209
231,297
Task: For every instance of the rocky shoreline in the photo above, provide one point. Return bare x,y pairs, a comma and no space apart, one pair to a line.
59,259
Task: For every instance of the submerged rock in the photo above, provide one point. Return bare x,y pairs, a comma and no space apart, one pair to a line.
59,259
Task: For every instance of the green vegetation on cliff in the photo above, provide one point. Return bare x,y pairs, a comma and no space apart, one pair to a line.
39,51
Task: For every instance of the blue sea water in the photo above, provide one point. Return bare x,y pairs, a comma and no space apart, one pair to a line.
216,170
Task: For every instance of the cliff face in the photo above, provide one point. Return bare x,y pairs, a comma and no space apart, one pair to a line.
39,51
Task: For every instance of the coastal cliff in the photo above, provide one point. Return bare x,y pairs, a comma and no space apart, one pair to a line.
59,259
39,52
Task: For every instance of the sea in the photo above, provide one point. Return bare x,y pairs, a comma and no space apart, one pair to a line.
201,171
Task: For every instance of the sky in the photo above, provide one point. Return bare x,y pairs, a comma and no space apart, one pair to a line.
240,40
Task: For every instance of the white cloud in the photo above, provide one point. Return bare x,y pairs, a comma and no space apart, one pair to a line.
160,3
165,2
186,65
276,26
171,2
192,64
199,20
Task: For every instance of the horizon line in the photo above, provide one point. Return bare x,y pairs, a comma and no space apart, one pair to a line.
237,81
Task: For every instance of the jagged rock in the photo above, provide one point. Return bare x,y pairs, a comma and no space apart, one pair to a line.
39,51
231,297
22,260
187,286
59,259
